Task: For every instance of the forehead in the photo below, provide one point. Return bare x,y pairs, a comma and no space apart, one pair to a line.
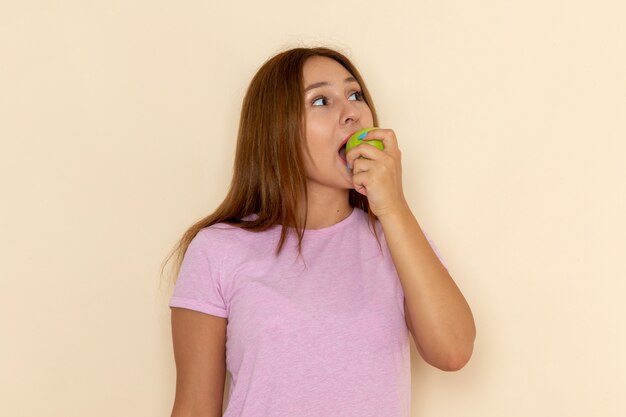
321,68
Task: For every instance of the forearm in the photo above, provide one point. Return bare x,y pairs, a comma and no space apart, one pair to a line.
441,321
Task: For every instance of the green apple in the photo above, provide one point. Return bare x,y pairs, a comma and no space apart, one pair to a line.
355,141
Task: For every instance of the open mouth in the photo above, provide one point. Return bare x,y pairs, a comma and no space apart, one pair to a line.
342,152
342,149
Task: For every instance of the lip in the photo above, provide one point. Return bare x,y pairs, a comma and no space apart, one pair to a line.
343,143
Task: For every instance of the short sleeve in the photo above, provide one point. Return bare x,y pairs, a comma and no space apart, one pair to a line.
198,283
434,248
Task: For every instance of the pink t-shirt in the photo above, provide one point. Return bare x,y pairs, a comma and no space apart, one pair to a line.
323,334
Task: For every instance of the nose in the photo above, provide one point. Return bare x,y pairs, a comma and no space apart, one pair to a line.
350,112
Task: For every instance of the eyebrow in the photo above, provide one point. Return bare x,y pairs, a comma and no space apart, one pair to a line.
325,83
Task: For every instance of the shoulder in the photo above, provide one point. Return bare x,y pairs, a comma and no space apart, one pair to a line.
233,241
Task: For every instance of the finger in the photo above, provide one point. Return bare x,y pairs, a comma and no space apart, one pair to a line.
363,151
359,181
387,136
361,165
360,189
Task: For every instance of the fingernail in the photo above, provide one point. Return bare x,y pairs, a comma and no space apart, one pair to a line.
349,167
362,135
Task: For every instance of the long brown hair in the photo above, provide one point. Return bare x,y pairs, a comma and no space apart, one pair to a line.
269,179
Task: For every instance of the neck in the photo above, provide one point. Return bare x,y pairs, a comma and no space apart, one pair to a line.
326,208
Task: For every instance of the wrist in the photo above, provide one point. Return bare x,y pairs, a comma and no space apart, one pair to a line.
396,211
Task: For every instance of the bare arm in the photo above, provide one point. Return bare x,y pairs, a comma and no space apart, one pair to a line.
199,351
436,312
438,316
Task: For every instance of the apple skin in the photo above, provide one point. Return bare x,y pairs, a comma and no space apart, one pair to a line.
355,141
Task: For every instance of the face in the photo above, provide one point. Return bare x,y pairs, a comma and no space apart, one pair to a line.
334,109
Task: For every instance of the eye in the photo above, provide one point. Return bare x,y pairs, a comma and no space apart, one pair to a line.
315,100
358,94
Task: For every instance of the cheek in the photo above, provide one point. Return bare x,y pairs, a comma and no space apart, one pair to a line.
367,115
314,133
308,154
313,160
316,143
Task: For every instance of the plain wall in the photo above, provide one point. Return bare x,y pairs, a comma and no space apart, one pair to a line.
118,122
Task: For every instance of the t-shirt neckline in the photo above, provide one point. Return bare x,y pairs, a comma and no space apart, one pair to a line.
335,227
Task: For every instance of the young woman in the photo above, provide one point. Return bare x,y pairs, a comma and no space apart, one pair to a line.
306,282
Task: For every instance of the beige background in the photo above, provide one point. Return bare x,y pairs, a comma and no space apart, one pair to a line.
118,121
